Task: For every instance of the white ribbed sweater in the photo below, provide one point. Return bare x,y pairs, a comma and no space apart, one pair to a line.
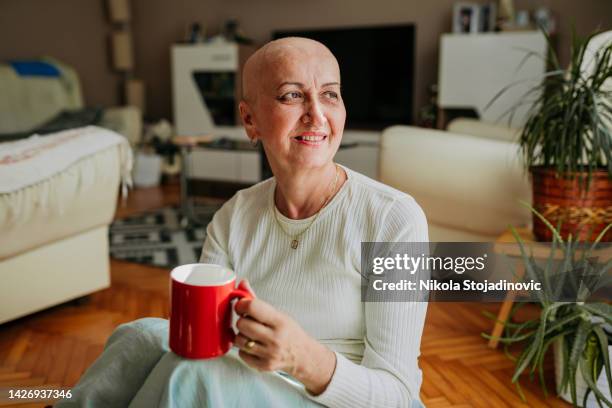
376,343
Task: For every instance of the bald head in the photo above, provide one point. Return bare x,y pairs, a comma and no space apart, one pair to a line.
275,56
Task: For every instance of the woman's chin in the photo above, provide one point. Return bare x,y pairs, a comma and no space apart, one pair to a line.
308,161
319,155
314,156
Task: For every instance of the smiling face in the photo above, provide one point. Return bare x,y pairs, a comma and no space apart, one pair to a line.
292,103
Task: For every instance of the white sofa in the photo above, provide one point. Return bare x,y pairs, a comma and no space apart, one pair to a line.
58,193
468,186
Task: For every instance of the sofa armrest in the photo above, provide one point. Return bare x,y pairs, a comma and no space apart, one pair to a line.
126,121
462,182
478,128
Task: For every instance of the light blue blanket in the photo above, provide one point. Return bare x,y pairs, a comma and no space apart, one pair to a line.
137,369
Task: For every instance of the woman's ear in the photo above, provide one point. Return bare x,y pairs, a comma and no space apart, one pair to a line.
247,119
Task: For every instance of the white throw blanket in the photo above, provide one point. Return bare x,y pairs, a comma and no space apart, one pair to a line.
29,161
137,369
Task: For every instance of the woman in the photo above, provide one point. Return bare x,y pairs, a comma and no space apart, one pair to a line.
297,239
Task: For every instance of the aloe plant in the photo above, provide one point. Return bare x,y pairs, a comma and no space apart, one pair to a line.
578,323
569,127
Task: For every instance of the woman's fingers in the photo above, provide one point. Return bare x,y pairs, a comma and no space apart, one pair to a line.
245,285
258,355
259,310
241,342
251,328
256,348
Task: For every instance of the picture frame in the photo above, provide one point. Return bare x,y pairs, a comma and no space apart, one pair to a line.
466,17
488,17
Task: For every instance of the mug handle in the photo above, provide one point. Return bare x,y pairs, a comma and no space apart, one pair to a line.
238,294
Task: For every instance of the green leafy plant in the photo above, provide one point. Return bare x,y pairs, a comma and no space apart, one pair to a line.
579,324
569,127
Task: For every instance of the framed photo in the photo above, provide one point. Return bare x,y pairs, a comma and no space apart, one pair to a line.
466,17
488,17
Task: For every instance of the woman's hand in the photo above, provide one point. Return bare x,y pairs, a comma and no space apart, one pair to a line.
281,344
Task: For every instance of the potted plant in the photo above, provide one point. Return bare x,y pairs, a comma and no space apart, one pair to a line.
566,142
580,331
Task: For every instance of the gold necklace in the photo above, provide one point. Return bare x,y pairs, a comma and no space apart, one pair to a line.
295,242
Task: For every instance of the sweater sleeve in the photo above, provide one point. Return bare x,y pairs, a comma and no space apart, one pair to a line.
389,375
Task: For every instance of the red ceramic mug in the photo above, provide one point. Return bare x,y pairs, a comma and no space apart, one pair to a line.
200,310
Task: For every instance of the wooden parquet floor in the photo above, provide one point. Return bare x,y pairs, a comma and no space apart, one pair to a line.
55,346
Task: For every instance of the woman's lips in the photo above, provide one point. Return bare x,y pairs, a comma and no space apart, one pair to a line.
310,139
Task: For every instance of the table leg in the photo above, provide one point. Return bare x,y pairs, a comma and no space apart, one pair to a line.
504,311
185,210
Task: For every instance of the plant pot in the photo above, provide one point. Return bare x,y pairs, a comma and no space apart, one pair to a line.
584,212
147,169
581,385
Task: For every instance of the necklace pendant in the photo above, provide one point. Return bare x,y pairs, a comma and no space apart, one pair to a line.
294,244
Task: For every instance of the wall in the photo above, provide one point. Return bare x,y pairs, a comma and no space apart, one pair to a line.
76,31
73,31
586,16
259,18
157,24
163,27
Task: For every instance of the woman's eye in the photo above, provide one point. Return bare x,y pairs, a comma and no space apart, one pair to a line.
331,94
290,96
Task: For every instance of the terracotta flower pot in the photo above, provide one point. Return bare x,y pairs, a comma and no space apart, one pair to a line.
584,212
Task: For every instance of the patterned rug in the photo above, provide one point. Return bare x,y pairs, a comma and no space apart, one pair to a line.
157,238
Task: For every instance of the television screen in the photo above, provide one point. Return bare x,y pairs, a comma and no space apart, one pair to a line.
377,71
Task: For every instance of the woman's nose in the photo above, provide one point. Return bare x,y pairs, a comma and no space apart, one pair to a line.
314,115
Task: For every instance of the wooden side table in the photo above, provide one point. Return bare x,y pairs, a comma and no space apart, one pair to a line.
185,145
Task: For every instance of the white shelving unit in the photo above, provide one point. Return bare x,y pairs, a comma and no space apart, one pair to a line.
475,67
192,115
